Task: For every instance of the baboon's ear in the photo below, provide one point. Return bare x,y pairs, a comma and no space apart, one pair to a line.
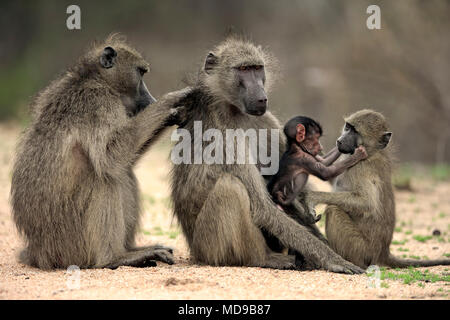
210,62
385,138
107,60
300,133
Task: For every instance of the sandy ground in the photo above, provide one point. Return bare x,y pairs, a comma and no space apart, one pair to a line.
418,213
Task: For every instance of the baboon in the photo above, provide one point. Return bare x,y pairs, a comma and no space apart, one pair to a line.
360,216
302,158
222,207
74,195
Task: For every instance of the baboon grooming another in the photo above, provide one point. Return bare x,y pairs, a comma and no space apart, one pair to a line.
74,195
222,207
360,218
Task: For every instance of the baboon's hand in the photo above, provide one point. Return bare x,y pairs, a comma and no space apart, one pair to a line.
162,255
178,116
342,266
360,153
311,216
178,98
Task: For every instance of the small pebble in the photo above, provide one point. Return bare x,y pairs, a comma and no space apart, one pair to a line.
436,232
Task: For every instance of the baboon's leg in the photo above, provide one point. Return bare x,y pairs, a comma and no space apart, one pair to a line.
345,238
131,207
225,234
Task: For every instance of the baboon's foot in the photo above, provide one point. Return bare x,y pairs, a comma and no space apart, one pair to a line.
143,259
279,261
302,264
343,266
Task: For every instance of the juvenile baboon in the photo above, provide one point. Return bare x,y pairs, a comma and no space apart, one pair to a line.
360,218
222,207
74,195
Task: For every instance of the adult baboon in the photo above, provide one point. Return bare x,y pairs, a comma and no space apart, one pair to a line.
74,195
360,218
222,206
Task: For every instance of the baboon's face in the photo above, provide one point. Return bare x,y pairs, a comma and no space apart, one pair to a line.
125,70
349,140
239,80
369,131
250,93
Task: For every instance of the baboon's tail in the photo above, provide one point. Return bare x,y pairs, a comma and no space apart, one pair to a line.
395,262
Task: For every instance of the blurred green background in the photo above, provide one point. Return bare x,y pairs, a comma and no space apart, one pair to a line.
331,63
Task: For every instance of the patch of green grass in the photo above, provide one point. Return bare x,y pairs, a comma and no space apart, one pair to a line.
384,285
422,238
408,232
441,172
425,258
420,284
414,257
412,199
157,231
412,275
398,229
403,249
440,290
448,256
399,242
403,224
173,234
441,214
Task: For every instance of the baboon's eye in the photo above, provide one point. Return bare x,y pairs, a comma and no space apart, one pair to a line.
142,70
243,68
348,127
258,67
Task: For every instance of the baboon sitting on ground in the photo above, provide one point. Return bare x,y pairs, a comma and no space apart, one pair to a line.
74,195
223,206
360,218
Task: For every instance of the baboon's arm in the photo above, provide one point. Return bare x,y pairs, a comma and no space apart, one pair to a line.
152,120
330,157
114,144
354,204
326,172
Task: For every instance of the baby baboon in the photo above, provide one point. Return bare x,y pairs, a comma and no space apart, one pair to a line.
223,206
302,158
74,195
360,218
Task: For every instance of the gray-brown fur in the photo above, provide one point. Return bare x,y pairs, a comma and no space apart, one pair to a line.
360,216
222,207
74,195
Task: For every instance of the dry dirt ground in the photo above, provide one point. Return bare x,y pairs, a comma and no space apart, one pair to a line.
418,214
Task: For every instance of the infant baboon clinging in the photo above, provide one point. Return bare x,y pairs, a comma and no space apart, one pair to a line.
74,195
222,207
360,218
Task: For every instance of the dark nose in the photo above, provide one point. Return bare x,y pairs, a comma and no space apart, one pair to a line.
338,143
263,100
